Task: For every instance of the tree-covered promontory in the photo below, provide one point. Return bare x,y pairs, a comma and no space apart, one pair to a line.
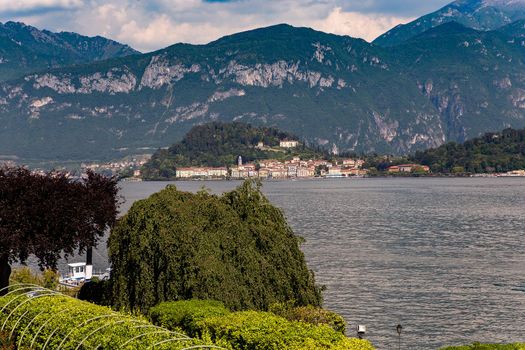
218,144
492,152
236,248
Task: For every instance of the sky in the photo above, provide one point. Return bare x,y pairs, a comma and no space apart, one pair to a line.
148,25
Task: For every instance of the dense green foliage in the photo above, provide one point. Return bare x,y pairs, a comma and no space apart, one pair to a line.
236,248
38,318
96,291
309,314
26,49
493,152
220,144
47,279
249,330
186,314
479,346
252,330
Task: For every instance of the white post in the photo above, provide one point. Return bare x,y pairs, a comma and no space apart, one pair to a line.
89,263
89,272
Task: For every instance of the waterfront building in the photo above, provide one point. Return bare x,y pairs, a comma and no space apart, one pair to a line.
278,173
393,169
235,173
305,172
217,172
335,171
188,173
184,173
292,170
407,168
264,173
349,163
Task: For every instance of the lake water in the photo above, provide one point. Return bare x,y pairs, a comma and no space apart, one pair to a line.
444,258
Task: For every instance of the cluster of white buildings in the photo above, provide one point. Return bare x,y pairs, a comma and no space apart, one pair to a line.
276,169
132,165
408,168
514,173
202,172
346,168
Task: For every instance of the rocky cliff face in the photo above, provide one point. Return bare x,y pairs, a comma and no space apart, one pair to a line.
473,78
333,91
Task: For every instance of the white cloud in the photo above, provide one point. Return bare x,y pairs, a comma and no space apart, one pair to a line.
23,5
158,33
153,24
365,26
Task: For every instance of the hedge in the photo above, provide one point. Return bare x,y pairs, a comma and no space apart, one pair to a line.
478,346
250,330
310,314
40,318
187,314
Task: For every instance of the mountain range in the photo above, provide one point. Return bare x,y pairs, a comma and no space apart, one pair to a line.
481,15
25,49
449,82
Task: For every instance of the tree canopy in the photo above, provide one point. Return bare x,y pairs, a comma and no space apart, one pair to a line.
49,215
236,248
492,152
220,144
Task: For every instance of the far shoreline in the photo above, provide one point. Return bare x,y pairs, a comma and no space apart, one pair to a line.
442,176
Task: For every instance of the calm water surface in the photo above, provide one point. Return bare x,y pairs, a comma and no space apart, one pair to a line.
443,257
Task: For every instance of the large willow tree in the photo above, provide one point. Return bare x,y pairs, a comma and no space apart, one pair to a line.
236,248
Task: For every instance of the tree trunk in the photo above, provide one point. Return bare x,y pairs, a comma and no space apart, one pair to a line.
5,273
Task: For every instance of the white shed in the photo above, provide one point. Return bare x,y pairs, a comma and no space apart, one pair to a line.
80,271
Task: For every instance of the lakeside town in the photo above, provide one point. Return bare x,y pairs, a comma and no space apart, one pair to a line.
274,169
131,169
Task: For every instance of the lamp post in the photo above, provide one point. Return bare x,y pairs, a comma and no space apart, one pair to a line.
399,328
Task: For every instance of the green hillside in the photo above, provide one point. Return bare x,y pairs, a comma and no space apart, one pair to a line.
25,49
471,77
220,144
493,152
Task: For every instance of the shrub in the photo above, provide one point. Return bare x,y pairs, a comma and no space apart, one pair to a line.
187,314
96,291
236,248
48,278
37,318
249,330
252,330
310,314
479,346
